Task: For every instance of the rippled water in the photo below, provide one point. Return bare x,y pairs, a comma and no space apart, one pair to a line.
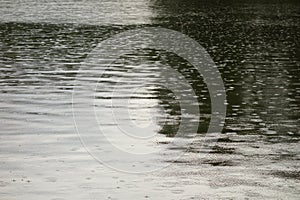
43,49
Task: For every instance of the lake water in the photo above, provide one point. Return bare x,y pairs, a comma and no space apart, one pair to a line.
46,154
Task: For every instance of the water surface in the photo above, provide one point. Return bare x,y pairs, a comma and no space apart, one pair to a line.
256,48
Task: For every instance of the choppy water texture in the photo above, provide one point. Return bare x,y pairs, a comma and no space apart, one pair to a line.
42,46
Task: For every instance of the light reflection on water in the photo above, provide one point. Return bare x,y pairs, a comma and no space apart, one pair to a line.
79,12
254,46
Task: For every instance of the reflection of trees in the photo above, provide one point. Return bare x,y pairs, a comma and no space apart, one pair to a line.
171,121
171,104
256,51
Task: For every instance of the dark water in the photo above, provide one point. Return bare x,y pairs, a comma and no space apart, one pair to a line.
255,46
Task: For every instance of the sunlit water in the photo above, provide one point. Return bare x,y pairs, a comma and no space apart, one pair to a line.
43,46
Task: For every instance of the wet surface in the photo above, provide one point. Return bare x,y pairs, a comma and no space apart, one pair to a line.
42,47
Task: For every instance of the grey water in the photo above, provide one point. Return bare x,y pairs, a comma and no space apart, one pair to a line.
47,154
